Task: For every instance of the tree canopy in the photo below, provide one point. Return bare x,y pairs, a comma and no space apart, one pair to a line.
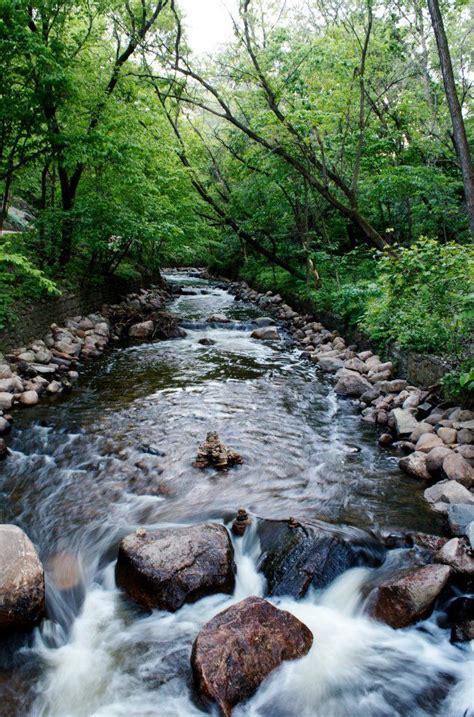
327,133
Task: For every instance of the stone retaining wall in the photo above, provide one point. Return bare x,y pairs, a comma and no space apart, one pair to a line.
34,320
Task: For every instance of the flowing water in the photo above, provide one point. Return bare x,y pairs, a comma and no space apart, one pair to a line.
88,469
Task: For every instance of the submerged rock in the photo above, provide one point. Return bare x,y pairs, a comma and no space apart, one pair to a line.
266,333
404,600
295,556
166,568
236,650
213,453
22,591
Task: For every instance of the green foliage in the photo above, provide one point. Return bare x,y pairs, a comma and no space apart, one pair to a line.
19,279
425,298
458,385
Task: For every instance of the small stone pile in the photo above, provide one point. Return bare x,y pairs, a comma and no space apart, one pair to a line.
438,441
214,454
49,366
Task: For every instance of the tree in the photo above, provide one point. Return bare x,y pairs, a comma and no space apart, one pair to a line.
459,130
63,47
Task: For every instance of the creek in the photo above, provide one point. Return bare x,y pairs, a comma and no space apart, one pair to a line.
87,469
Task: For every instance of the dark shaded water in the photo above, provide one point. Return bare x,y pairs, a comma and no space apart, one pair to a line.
117,454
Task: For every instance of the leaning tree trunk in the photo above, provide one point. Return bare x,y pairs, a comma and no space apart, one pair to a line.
459,129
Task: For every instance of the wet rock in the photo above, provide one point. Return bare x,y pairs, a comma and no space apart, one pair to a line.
355,364
447,435
65,571
142,330
435,459
427,442
330,365
214,454
377,378
456,468
53,388
404,421
370,395
467,452
11,385
465,436
385,439
395,386
207,342
460,612
218,319
263,321
295,556
463,631
166,568
351,383
445,492
5,426
268,333
29,398
22,592
236,650
6,400
415,465
241,523
455,553
409,598
3,450
460,516
5,371
421,429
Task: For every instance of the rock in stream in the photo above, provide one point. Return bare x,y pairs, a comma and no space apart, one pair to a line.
167,567
236,650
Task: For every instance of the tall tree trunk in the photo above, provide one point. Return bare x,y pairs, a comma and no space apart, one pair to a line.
5,199
459,129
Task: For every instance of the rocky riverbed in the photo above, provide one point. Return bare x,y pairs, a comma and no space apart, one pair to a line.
154,595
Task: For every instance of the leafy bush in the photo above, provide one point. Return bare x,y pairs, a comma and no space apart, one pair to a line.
424,298
19,278
459,385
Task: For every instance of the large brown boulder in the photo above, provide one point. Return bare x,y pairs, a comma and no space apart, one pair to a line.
237,650
404,600
22,593
167,567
